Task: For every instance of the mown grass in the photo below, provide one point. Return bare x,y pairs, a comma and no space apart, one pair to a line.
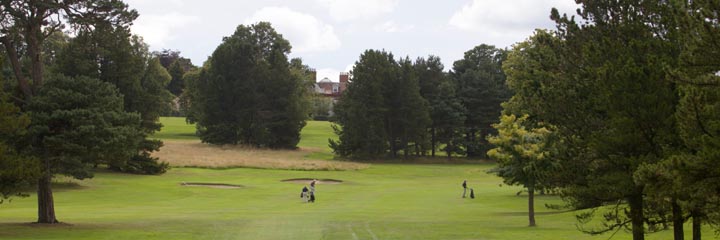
384,201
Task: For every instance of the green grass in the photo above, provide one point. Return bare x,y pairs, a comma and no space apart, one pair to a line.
385,201
175,128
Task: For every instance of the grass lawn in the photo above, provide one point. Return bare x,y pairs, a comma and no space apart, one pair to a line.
382,201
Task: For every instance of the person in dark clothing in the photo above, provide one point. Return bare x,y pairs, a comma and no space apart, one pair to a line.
464,185
304,195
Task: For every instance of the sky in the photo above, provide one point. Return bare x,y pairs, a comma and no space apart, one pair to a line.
330,35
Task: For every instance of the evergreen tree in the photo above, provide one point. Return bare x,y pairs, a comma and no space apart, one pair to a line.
361,111
382,111
481,88
113,55
431,79
248,94
75,123
27,25
408,116
16,170
616,60
448,117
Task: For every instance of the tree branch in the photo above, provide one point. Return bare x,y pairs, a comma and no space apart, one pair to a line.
17,69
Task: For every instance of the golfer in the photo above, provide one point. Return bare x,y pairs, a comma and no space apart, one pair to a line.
464,185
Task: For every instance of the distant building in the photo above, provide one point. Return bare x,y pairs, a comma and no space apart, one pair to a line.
332,89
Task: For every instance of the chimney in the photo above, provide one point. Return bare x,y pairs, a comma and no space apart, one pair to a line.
344,81
344,77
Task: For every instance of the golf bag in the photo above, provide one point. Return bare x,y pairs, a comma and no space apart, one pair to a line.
472,193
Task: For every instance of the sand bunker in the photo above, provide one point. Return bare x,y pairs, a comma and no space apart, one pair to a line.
211,185
308,180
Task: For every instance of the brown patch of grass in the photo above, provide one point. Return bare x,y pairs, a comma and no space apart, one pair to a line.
196,154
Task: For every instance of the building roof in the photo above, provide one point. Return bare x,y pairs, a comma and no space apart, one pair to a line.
325,80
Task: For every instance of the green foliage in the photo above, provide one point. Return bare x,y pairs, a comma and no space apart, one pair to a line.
321,106
248,93
616,99
191,111
177,66
113,55
446,111
480,86
523,154
382,111
78,122
360,113
16,171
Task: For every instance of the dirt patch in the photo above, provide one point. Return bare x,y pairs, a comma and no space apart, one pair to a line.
308,180
211,185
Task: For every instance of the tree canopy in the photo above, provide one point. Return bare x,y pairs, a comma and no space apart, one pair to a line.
247,93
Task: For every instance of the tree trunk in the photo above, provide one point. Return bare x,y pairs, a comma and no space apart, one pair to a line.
678,220
46,205
696,225
432,141
531,205
637,216
34,37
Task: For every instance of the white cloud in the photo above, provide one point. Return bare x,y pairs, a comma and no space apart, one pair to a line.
498,17
393,27
344,10
305,32
157,30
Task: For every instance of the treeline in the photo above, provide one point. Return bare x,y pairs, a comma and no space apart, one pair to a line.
72,104
399,107
617,110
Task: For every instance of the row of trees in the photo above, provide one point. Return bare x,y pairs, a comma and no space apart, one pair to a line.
73,103
416,108
619,111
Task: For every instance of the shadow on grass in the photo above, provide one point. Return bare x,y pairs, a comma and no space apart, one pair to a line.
522,214
57,186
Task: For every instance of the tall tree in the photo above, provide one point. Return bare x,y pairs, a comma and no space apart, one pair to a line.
481,88
76,122
446,112
26,25
523,155
361,110
382,112
408,116
113,55
617,60
248,94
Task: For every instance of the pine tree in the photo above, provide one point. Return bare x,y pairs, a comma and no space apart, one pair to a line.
113,55
16,170
481,88
361,111
76,123
247,94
